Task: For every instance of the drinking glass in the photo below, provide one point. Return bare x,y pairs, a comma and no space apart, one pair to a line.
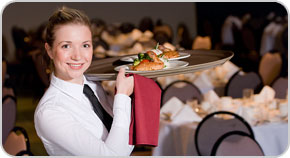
248,93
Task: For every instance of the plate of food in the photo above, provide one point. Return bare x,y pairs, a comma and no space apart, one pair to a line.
170,65
161,52
149,61
107,69
131,58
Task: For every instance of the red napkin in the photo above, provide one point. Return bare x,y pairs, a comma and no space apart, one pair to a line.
145,112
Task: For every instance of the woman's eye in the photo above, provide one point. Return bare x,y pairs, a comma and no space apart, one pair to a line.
65,46
86,45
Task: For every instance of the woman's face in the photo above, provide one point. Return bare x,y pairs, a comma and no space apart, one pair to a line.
71,52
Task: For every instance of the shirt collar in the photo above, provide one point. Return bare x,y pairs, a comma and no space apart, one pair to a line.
72,89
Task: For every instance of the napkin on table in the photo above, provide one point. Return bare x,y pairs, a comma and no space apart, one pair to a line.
171,107
226,103
248,113
283,108
145,113
267,93
206,106
258,98
230,69
210,101
203,82
211,97
186,114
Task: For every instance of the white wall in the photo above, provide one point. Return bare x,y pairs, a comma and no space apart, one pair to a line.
29,15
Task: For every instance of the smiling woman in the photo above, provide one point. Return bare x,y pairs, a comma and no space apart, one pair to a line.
71,52
69,44
75,117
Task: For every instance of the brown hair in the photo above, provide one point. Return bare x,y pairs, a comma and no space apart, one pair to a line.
64,16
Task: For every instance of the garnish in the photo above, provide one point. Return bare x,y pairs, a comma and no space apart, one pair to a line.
157,45
136,62
142,57
160,55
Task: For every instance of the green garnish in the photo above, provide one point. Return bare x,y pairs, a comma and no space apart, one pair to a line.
160,55
157,46
146,56
136,62
141,56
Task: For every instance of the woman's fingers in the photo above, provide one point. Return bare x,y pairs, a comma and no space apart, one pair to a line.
121,73
124,84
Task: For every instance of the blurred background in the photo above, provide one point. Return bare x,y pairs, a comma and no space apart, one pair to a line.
251,30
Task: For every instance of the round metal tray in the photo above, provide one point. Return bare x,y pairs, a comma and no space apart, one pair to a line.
103,69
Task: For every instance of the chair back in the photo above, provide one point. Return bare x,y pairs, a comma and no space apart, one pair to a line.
17,142
270,67
181,89
8,115
280,85
236,143
213,126
201,43
240,81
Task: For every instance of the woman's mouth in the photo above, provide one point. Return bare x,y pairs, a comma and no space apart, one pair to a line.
75,66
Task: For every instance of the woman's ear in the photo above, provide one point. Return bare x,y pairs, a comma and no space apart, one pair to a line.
48,50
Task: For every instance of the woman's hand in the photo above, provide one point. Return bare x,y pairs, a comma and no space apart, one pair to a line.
124,85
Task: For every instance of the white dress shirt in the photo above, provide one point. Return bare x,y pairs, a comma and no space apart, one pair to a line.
67,124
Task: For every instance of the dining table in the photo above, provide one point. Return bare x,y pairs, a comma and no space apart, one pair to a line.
177,139
268,120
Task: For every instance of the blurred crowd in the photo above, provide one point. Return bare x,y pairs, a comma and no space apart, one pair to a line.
252,37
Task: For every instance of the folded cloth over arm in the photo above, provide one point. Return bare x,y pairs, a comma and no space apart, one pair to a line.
145,112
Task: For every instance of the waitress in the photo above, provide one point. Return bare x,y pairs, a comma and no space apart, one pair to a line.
74,116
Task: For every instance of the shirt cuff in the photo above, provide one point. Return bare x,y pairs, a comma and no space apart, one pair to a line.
122,110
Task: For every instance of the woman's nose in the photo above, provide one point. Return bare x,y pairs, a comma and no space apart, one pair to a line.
76,54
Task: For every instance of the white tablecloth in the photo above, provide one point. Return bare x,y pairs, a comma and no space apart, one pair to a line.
273,138
178,139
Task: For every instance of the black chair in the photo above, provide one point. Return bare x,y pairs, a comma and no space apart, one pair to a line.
181,89
236,143
216,124
8,115
17,143
270,67
241,80
280,85
159,85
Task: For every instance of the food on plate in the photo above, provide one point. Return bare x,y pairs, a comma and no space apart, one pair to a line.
170,54
167,53
154,59
147,61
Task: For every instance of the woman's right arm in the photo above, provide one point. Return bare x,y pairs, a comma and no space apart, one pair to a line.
62,132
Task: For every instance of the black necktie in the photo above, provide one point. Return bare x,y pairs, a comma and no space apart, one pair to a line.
98,108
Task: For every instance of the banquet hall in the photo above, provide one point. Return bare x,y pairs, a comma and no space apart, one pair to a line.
229,99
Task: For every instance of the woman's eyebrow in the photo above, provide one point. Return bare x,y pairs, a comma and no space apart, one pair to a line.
87,41
64,41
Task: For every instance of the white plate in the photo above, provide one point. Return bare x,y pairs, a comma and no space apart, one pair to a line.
131,58
171,65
